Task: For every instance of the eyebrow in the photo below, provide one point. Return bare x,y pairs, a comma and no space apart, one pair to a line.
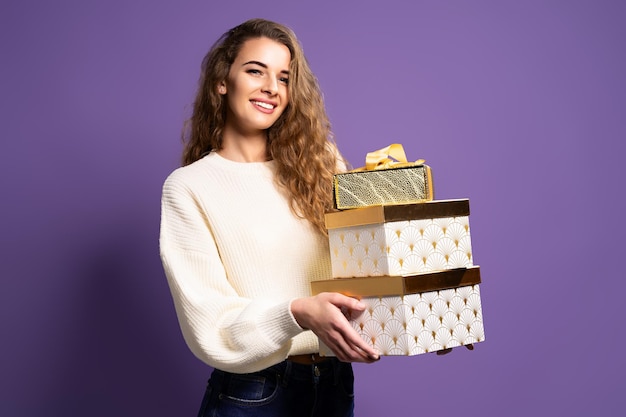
263,65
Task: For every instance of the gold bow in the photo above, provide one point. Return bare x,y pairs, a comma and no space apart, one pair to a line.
388,157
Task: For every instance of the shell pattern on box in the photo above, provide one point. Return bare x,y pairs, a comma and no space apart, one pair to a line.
414,324
401,247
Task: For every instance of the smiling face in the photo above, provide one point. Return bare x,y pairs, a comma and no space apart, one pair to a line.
256,88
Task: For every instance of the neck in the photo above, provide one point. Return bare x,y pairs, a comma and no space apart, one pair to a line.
244,148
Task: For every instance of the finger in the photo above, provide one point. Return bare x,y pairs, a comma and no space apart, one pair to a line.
339,347
343,301
348,346
359,355
357,348
443,351
364,349
347,353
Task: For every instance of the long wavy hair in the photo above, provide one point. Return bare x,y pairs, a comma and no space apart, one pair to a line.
300,141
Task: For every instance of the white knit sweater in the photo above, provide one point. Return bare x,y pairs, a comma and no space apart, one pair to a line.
235,257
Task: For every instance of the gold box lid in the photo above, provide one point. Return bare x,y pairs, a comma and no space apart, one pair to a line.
381,286
397,212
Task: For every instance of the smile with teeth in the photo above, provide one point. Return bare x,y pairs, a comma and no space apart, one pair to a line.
264,105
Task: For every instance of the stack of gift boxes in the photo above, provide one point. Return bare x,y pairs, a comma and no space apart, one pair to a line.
407,256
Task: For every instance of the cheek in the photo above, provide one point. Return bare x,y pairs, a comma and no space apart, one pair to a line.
286,97
233,105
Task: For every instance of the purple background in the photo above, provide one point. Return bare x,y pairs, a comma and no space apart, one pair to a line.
517,105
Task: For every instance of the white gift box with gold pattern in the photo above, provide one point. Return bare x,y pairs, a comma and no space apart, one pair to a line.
411,323
400,239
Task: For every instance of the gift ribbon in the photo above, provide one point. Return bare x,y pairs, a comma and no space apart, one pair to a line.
390,156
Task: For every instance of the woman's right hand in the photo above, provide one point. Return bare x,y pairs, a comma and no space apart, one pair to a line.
325,314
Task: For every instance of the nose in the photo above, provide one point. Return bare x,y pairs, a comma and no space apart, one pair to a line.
271,86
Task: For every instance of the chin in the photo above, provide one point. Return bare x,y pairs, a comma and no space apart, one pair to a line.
265,126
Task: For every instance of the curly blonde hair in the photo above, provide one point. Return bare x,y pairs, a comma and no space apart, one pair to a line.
300,141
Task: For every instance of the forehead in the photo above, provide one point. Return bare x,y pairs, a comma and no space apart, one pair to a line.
266,51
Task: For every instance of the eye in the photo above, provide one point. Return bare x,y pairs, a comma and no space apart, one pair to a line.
254,71
284,80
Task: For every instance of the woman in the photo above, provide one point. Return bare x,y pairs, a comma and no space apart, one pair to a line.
242,234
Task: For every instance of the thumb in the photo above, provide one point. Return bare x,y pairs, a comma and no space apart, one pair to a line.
350,303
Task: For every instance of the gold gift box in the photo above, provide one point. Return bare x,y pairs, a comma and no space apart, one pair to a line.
394,185
400,239
382,286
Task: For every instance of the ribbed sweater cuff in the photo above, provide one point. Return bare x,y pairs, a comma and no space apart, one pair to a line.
280,324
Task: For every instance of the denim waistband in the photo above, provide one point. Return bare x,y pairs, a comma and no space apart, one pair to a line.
287,371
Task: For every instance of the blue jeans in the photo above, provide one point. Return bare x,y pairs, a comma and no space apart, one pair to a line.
289,389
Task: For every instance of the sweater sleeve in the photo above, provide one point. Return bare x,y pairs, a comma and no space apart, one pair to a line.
221,328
